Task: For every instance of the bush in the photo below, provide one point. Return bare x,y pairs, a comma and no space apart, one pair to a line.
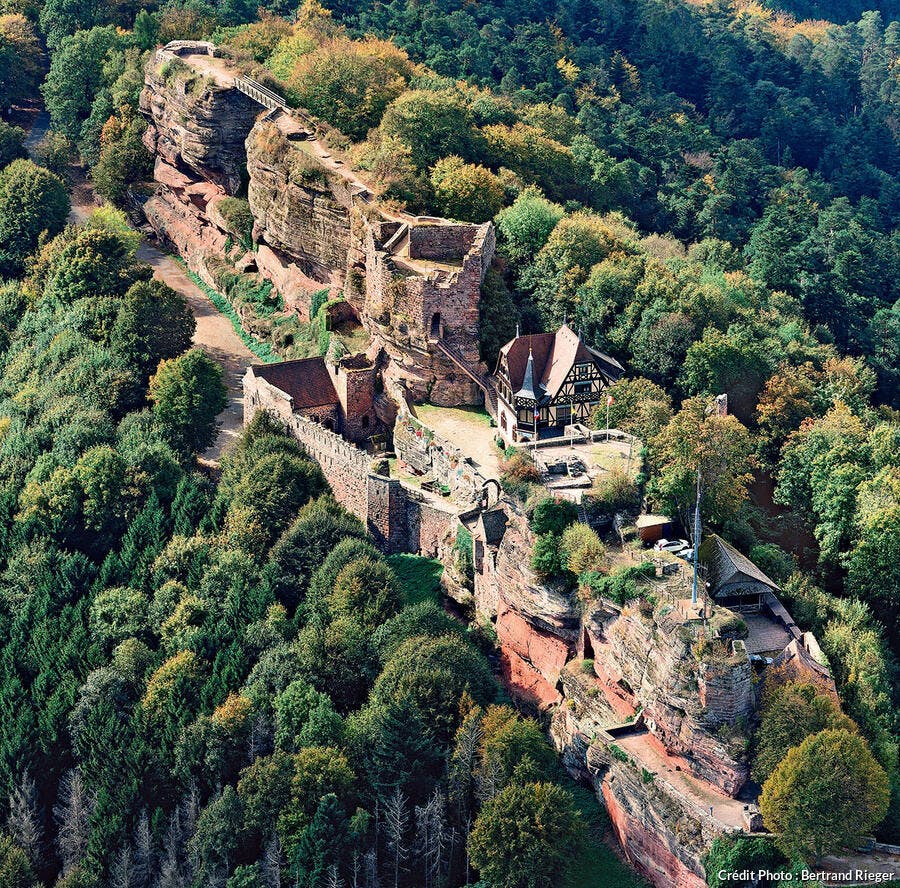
622,585
519,473
546,559
553,515
614,493
582,550
238,218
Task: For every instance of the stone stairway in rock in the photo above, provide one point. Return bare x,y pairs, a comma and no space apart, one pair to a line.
483,382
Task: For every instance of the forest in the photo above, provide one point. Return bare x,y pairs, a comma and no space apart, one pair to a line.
220,681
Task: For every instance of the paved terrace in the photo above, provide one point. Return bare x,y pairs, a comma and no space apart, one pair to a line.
645,749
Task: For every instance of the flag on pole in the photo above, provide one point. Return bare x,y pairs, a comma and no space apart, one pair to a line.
609,400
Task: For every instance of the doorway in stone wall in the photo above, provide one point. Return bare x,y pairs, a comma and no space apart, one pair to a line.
436,325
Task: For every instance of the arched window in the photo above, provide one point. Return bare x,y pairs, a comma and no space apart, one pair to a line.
436,325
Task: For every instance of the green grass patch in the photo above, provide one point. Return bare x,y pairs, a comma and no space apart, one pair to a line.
596,865
476,414
262,350
420,578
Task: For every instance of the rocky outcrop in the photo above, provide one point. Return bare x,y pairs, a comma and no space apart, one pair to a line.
663,836
301,211
537,623
197,126
646,657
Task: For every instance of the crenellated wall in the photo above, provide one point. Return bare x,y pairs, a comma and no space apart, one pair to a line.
398,518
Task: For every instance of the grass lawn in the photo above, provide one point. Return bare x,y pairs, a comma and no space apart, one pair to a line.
597,866
420,578
477,414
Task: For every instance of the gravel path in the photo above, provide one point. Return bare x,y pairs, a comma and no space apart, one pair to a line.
214,333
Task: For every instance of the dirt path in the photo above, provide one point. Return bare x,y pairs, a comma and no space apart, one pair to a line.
214,333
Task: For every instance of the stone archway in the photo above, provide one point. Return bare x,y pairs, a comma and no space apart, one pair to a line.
435,330
486,493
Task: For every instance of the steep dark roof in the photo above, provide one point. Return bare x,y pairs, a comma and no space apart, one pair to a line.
528,389
494,522
725,564
553,355
305,381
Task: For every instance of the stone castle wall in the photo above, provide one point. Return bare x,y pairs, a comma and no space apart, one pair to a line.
313,229
428,454
398,518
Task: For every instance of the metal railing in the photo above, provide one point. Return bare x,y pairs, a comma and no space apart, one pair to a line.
262,94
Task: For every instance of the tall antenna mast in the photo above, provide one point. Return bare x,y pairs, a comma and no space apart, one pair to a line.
696,539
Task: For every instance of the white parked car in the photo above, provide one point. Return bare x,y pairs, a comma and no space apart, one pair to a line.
671,546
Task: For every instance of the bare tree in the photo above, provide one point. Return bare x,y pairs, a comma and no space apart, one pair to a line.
189,811
431,838
171,870
261,737
334,878
73,817
355,870
25,823
489,779
122,874
272,862
395,819
370,869
143,852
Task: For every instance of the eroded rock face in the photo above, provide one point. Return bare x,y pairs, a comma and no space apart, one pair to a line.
537,624
641,676
300,211
664,838
197,126
647,659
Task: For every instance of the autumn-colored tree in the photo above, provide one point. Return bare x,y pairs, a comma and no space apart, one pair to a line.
466,191
719,447
787,398
582,550
824,795
350,83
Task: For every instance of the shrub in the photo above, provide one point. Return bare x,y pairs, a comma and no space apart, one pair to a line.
614,493
239,218
519,473
553,515
621,585
546,559
582,550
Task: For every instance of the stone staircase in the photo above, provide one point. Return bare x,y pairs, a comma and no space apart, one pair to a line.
483,382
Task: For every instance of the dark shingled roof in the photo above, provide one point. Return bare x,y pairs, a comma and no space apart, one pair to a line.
306,381
554,354
725,564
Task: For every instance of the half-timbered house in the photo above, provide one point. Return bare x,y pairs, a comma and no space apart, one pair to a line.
547,381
